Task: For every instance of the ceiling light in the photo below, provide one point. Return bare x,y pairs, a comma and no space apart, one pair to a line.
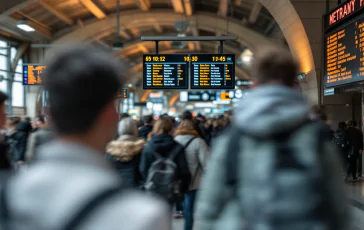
23,24
247,58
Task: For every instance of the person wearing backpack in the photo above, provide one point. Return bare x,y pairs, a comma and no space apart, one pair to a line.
341,141
275,168
197,154
163,164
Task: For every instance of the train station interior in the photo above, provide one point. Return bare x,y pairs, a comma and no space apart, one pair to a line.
171,52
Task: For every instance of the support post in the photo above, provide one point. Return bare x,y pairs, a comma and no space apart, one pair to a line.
156,47
221,47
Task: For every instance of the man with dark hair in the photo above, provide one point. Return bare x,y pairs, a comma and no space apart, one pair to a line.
273,156
147,127
71,186
355,137
4,157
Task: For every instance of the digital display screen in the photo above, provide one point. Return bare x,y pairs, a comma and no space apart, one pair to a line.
33,74
212,71
165,71
344,54
123,93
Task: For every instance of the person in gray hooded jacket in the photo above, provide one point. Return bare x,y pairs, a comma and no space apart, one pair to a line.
270,109
71,173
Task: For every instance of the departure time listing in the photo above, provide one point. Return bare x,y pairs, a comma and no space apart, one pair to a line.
213,71
345,55
165,72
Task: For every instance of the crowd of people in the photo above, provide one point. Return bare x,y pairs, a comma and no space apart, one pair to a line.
270,165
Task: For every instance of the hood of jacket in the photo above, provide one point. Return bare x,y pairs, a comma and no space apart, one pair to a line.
162,143
125,147
145,130
271,109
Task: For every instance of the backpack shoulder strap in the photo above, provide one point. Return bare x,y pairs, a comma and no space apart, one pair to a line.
189,142
91,206
176,150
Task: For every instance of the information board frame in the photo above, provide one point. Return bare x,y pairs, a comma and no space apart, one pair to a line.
329,32
145,80
215,59
25,74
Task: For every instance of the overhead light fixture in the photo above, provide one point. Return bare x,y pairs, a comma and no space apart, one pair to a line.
118,45
247,59
23,24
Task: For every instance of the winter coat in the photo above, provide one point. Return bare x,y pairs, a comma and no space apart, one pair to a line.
164,144
124,153
17,141
145,130
267,111
197,154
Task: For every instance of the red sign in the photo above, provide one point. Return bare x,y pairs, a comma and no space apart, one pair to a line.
343,11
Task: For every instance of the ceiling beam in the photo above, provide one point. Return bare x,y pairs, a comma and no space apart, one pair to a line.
39,27
19,15
143,48
194,31
144,5
255,12
189,7
56,12
93,8
270,27
223,8
158,27
178,6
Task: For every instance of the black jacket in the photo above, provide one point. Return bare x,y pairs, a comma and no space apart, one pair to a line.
4,157
17,142
164,144
355,137
124,154
145,130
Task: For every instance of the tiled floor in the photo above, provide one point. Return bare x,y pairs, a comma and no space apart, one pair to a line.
356,194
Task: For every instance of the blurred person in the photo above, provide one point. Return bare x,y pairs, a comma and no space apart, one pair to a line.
163,163
125,153
4,157
319,113
197,154
187,115
274,163
43,135
27,123
341,141
16,138
124,115
148,126
355,137
72,186
39,122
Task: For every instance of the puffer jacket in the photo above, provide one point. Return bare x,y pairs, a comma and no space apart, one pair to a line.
17,141
197,154
124,153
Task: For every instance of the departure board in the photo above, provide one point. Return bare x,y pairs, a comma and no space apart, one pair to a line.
212,71
344,54
165,71
33,74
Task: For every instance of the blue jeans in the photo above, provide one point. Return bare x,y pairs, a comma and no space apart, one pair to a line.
189,205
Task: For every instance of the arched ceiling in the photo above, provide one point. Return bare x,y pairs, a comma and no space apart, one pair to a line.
94,21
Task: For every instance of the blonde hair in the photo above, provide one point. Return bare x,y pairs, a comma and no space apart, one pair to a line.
128,126
163,125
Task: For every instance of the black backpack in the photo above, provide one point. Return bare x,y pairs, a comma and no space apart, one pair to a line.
341,141
273,200
75,222
161,178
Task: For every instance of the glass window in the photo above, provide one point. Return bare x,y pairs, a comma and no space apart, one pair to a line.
3,63
18,77
3,45
3,83
18,94
19,67
13,53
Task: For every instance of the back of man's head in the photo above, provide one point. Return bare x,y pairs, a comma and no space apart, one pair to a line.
81,82
274,65
187,115
148,119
